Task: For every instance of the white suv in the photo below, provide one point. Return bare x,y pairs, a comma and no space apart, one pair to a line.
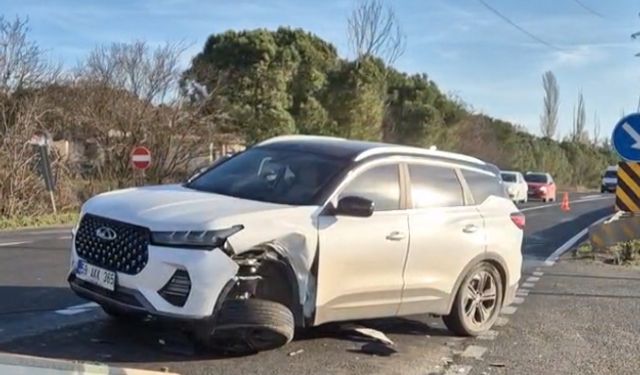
299,231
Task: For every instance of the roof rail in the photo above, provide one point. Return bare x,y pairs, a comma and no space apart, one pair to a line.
297,137
417,151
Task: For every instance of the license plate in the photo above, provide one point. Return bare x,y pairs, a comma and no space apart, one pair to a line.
96,275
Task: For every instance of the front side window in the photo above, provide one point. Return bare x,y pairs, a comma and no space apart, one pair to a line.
271,175
433,186
379,184
483,185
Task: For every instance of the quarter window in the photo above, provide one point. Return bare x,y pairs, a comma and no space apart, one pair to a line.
483,185
379,184
433,186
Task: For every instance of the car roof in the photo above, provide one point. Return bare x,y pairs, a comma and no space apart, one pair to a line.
359,150
511,172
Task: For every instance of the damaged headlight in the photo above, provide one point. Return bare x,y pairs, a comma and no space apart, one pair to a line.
206,240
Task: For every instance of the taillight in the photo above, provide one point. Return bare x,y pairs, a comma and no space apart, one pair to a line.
518,219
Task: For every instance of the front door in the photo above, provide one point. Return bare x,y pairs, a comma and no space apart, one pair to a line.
361,260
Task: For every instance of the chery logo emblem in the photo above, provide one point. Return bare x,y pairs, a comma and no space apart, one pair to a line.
106,233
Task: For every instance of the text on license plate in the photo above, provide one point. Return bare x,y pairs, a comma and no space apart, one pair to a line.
96,275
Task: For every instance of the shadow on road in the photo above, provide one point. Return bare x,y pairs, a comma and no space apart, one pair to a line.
150,341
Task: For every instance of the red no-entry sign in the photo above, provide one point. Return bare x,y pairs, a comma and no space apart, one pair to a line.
141,158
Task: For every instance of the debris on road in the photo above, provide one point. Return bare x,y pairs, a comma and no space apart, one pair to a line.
374,334
295,353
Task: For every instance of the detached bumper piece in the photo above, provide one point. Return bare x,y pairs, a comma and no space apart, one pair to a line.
177,289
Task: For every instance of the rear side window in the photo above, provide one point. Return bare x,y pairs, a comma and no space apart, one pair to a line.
379,184
433,186
483,185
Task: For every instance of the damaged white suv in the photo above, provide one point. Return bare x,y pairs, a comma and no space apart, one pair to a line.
299,231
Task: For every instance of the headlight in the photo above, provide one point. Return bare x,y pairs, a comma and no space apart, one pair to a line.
543,188
511,189
206,240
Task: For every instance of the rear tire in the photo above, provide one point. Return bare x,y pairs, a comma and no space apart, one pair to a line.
477,303
250,326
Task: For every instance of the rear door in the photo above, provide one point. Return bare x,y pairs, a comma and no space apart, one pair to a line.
446,234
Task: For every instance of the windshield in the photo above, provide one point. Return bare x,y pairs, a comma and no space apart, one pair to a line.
611,174
536,177
508,177
271,175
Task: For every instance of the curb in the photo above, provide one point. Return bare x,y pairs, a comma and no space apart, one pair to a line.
24,364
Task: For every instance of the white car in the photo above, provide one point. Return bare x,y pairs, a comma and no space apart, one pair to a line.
516,185
299,231
609,180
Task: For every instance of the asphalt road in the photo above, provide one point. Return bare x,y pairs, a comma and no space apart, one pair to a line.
40,316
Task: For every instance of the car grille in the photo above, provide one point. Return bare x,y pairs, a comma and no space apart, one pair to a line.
128,252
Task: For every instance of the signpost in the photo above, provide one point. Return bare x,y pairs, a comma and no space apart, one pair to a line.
42,141
626,142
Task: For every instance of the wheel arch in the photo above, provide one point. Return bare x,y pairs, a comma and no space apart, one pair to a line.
489,257
277,280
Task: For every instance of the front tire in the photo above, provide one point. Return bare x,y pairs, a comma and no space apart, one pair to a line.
477,303
250,326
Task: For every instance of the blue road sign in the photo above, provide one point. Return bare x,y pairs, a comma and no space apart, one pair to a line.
626,137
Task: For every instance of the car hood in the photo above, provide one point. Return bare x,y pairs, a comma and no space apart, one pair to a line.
175,207
510,184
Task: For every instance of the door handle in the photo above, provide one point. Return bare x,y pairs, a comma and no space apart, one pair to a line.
471,228
396,236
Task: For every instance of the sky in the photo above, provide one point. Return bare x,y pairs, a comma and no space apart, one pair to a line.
468,50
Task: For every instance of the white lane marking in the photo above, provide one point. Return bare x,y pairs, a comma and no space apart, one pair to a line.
522,292
533,279
518,300
593,196
551,260
77,309
509,310
528,285
558,204
501,321
13,243
538,273
64,237
474,351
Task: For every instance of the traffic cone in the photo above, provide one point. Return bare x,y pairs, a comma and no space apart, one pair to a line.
564,206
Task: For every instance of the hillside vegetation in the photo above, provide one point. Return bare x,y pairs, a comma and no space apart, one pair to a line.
244,86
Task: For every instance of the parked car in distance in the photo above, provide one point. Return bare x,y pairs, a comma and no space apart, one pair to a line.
254,247
541,186
609,180
516,186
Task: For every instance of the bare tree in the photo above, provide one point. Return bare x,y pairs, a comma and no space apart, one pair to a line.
374,30
149,74
22,62
596,128
549,117
579,121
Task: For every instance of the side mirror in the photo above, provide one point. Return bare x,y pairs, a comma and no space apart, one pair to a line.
355,206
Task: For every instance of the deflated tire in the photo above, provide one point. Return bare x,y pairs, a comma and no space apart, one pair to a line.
251,325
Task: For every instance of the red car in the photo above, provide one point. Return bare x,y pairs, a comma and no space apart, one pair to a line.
541,186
